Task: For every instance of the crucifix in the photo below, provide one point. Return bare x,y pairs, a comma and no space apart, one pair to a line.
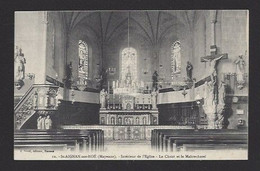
214,58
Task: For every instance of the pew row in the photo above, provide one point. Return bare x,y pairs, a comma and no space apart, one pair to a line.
173,140
77,140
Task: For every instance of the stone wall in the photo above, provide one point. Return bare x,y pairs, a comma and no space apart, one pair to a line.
85,33
30,35
55,46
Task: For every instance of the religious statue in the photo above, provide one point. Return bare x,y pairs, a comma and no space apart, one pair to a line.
221,93
48,122
155,80
240,70
208,94
39,125
154,97
58,98
189,69
35,99
209,106
103,95
41,122
102,78
19,64
113,84
68,82
221,106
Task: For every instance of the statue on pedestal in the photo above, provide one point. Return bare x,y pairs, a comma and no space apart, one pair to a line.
19,60
155,80
209,105
189,69
103,95
41,122
48,122
68,79
19,68
240,71
221,105
154,97
221,93
102,79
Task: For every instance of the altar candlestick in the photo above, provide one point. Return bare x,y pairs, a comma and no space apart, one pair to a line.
108,87
114,84
113,101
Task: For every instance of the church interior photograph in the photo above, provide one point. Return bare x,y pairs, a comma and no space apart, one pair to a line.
131,84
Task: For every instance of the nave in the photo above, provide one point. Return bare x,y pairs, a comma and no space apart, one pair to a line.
167,142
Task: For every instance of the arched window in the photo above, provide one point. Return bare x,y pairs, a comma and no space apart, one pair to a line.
83,62
176,58
129,65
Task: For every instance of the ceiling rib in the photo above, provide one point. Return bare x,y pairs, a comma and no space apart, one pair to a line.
107,26
157,28
150,25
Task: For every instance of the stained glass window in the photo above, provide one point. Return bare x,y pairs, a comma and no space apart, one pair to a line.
83,62
129,64
176,58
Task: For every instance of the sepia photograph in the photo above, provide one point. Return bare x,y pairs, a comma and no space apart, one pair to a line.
131,85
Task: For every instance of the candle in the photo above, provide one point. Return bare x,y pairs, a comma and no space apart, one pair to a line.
114,84
108,87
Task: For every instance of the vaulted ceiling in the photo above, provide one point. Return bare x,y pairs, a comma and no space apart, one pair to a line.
151,24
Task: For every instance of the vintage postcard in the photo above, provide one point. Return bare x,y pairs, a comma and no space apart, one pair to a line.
131,85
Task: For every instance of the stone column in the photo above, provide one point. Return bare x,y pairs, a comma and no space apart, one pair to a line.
213,18
209,105
211,116
40,77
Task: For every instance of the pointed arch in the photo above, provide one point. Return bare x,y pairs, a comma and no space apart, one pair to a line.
129,64
176,58
83,65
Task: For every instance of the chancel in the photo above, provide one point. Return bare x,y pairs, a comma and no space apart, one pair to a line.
105,81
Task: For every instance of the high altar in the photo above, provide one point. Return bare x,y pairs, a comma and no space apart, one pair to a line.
128,103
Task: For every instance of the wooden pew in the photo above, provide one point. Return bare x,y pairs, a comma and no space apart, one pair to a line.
192,147
163,139
176,142
96,139
157,135
81,139
169,141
